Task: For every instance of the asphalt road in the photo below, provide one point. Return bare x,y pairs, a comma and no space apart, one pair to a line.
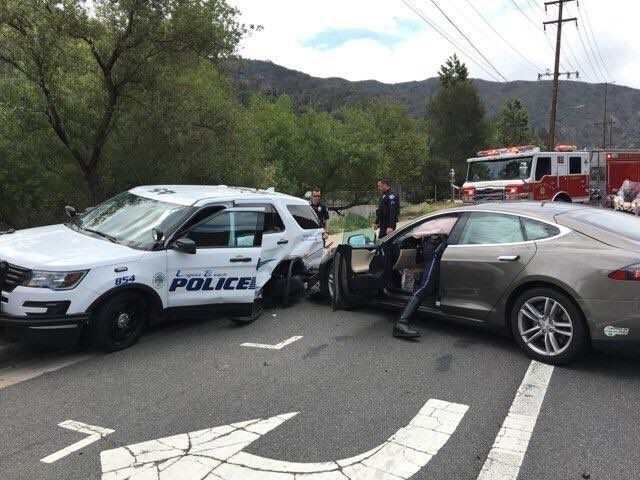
353,385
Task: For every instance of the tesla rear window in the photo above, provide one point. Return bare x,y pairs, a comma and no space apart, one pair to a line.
538,230
623,224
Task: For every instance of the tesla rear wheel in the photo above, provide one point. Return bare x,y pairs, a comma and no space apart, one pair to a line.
548,326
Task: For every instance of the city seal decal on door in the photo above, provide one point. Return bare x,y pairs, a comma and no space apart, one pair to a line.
159,280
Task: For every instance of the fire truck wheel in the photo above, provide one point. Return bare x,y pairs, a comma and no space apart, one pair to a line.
118,323
548,326
562,198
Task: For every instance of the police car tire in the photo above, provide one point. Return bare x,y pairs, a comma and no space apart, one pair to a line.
256,311
106,318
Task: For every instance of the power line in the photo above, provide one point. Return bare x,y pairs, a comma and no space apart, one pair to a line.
533,4
584,47
493,41
536,27
467,39
575,58
593,53
446,37
586,14
502,38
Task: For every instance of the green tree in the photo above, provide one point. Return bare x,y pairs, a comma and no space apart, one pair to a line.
456,123
89,60
453,71
513,124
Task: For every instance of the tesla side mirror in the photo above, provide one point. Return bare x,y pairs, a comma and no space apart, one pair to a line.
185,245
158,234
359,240
524,171
71,212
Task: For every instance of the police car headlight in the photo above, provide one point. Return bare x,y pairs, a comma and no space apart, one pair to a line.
55,280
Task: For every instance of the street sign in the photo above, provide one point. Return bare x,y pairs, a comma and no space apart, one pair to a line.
217,453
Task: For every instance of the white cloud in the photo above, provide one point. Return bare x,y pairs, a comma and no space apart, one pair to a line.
288,25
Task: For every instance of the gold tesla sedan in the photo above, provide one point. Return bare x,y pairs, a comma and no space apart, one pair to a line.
559,277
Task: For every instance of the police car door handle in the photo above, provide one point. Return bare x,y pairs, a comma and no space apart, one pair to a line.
284,241
508,258
240,259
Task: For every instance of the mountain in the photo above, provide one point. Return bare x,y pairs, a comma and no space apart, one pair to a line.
580,104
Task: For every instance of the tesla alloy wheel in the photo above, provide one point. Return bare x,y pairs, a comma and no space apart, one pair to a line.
548,326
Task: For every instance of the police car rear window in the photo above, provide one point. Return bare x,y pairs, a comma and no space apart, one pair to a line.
305,216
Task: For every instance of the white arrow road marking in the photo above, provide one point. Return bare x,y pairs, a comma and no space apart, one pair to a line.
95,434
277,346
216,453
510,446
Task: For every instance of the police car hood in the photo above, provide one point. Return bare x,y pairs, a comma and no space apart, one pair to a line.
57,248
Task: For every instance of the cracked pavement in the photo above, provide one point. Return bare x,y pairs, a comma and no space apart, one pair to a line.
359,398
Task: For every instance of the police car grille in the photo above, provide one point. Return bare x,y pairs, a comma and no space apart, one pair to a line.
13,277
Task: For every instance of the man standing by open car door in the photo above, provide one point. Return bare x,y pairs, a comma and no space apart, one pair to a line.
434,237
388,209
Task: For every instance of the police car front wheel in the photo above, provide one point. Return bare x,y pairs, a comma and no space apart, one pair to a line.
119,321
256,311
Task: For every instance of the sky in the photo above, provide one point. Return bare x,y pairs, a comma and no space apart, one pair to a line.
385,40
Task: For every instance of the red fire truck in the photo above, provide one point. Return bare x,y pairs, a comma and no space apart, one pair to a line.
526,173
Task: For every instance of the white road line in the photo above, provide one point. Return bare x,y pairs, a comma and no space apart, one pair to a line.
506,455
34,368
95,434
277,346
217,453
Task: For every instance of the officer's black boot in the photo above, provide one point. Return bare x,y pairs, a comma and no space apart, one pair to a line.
402,327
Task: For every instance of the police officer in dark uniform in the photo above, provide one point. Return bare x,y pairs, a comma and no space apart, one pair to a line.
320,208
433,247
388,209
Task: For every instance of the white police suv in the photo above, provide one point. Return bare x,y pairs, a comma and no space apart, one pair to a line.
151,251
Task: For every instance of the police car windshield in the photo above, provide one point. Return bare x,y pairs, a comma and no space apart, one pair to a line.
507,169
129,219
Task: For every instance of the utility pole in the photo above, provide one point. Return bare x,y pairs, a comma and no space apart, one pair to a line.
556,73
609,123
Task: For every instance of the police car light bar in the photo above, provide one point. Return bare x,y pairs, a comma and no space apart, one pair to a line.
505,150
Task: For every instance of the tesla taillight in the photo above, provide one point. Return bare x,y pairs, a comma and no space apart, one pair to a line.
632,272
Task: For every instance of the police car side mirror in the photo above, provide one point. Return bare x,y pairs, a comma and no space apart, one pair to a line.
359,240
185,245
158,234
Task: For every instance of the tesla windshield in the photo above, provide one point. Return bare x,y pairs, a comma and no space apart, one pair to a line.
129,219
508,169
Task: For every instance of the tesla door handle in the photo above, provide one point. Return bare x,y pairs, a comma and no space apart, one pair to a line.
240,259
508,258
283,241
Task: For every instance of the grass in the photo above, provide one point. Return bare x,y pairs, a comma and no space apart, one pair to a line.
352,222
409,212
